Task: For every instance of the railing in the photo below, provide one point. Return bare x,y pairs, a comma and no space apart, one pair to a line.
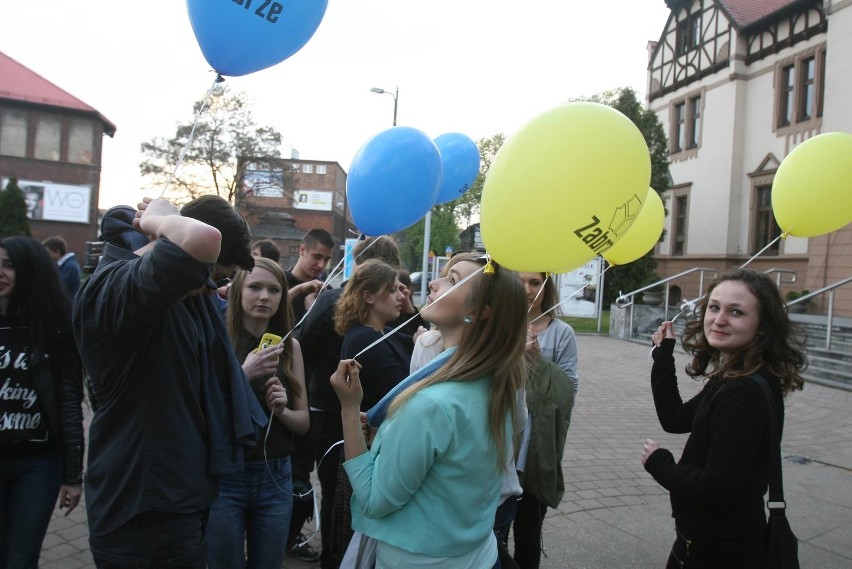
780,274
626,300
830,314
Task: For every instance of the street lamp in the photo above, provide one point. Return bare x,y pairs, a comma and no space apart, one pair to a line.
394,95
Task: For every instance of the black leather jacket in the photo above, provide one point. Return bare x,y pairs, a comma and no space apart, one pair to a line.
58,380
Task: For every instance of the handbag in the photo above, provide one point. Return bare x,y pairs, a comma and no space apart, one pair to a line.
782,546
361,553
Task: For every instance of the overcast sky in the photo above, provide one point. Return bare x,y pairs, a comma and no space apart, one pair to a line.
478,67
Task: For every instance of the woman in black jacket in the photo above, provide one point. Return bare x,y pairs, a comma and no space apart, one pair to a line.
41,394
718,485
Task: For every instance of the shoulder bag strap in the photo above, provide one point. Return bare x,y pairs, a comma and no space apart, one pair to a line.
776,502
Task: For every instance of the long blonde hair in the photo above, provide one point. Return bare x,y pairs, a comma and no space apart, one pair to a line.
493,345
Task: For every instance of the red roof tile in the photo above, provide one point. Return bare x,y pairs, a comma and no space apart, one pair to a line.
19,83
744,13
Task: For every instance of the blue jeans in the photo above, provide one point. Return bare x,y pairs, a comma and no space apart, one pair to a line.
29,488
251,517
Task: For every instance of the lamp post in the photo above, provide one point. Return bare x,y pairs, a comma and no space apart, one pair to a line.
395,96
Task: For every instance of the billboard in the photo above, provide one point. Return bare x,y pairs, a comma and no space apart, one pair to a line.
262,181
312,199
578,290
55,202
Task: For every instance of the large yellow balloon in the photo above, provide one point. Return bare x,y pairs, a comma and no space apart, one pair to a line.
812,191
642,235
564,188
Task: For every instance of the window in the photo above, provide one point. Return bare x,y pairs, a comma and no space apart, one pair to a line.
800,84
679,222
13,133
686,124
307,168
81,141
688,33
321,168
765,228
47,137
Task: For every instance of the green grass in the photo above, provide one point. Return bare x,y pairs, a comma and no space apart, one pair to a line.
589,325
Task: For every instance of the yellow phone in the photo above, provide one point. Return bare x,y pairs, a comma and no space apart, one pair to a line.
268,340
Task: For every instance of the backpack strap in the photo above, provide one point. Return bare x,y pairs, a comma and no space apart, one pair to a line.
776,503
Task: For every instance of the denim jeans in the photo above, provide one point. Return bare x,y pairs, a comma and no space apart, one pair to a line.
29,488
253,508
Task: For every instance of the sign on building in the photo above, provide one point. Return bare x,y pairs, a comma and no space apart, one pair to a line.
55,202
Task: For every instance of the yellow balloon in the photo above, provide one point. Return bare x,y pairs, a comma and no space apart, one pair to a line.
642,235
812,191
564,188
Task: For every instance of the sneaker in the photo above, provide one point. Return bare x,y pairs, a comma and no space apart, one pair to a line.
302,550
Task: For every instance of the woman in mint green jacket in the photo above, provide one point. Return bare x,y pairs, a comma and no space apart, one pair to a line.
428,487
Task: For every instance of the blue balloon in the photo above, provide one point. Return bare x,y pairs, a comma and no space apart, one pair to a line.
393,180
238,37
460,157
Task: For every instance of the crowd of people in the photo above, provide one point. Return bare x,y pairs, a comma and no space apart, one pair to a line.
220,381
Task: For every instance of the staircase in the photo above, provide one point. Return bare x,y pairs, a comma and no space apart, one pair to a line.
829,367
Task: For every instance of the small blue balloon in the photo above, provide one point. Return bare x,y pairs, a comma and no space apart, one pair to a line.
238,37
460,157
393,180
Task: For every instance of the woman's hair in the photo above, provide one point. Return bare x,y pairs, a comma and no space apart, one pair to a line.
371,277
38,300
280,323
492,345
550,295
774,346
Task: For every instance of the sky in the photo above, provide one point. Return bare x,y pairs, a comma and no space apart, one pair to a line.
478,67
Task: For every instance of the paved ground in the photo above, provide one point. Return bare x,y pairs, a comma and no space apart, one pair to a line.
613,514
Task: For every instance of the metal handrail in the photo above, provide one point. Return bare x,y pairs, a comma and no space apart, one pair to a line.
830,316
625,300
779,274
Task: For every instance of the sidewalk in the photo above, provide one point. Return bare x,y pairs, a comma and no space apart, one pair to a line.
613,514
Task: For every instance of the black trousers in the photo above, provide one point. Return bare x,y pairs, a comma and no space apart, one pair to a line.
154,540
527,531
327,430
692,550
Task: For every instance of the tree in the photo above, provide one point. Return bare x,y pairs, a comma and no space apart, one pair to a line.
225,140
466,208
641,271
13,211
443,232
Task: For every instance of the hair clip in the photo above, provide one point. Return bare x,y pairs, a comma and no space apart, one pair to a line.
489,267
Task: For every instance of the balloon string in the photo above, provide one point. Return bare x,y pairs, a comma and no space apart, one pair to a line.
572,295
392,332
189,140
756,255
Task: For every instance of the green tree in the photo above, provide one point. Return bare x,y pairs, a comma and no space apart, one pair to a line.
13,211
225,140
443,232
641,271
466,208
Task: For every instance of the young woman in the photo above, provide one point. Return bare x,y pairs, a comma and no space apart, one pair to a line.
551,337
41,448
429,485
372,299
254,506
554,340
718,485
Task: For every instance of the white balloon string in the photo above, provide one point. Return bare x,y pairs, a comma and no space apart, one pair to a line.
756,255
570,296
416,314
189,140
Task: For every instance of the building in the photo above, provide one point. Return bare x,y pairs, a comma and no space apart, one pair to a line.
51,142
285,198
738,84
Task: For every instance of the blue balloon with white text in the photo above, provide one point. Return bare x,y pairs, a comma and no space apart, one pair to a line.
393,180
460,158
238,37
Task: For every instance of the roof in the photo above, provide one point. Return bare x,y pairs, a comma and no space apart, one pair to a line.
19,83
746,13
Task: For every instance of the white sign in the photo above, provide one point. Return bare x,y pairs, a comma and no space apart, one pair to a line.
578,290
55,202
261,181
312,199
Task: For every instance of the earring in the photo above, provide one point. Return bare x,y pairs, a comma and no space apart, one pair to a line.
468,319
